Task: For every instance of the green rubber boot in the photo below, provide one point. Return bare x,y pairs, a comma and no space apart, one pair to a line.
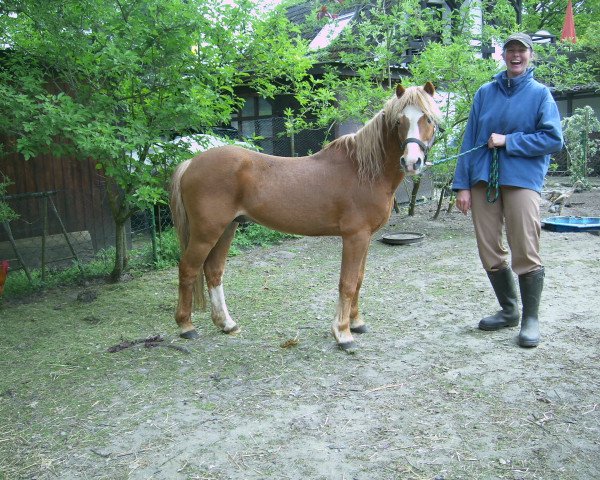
503,284
531,286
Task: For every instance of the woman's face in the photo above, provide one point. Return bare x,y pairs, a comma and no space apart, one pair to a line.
517,57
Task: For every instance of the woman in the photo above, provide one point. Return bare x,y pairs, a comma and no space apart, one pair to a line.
517,119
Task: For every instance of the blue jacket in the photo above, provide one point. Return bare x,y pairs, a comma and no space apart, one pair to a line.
522,109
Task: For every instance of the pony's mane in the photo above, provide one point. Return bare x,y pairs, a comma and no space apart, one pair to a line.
367,145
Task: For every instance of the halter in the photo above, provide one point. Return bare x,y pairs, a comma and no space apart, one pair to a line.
420,143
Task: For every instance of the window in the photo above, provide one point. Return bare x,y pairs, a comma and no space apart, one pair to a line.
255,119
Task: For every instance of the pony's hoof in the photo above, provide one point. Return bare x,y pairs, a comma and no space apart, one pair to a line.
359,329
190,335
348,347
233,330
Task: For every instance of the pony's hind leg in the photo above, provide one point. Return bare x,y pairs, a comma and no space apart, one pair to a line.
214,266
189,267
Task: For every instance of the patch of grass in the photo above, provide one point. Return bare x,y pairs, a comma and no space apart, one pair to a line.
253,234
18,284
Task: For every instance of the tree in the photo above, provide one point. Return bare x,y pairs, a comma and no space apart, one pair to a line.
550,15
371,48
114,78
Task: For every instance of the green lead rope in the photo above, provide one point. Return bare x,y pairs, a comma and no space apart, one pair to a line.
493,189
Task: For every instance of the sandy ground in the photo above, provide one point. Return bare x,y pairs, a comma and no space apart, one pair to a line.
426,396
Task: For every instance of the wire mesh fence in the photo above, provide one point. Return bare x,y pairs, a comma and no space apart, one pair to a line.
561,161
39,239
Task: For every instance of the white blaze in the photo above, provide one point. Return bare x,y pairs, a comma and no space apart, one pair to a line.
413,152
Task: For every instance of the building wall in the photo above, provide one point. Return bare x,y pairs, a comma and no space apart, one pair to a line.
77,192
568,104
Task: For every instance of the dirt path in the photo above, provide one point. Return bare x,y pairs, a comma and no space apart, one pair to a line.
427,395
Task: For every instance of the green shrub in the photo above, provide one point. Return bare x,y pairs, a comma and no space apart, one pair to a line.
580,147
6,213
253,234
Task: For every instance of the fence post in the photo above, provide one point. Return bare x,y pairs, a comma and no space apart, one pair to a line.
293,143
64,232
153,235
44,234
586,139
11,239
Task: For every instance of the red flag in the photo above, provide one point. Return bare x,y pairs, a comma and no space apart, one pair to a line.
568,31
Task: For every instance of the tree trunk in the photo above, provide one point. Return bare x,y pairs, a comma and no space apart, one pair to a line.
413,195
121,213
440,201
121,254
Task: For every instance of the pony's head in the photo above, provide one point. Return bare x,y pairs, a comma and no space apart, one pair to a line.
413,116
409,120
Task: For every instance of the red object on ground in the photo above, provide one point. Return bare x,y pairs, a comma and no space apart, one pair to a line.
568,31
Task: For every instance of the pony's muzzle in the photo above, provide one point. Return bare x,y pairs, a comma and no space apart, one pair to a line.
412,167
414,156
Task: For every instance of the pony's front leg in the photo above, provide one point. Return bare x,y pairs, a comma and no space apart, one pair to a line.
213,270
353,255
357,324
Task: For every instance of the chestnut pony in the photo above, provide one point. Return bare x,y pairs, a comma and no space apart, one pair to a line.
345,190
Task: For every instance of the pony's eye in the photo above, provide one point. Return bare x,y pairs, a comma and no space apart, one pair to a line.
429,120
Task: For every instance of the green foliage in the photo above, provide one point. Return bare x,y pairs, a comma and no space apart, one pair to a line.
580,147
371,48
590,41
550,15
113,80
253,234
456,70
6,213
565,66
246,237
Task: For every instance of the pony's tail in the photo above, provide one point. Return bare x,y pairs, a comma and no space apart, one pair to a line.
180,221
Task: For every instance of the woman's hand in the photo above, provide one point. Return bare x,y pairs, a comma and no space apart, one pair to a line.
463,200
496,140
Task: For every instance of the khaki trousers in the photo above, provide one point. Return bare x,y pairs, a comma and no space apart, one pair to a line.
517,209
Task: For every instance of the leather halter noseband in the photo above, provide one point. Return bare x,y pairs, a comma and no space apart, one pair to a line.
424,147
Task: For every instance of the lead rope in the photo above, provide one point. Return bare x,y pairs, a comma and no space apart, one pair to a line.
447,159
493,189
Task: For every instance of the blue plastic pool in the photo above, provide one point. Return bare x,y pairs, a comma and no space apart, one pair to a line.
571,224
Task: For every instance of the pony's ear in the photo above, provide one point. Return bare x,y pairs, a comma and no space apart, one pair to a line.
399,90
429,88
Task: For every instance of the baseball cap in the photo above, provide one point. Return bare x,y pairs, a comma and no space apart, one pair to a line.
522,38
